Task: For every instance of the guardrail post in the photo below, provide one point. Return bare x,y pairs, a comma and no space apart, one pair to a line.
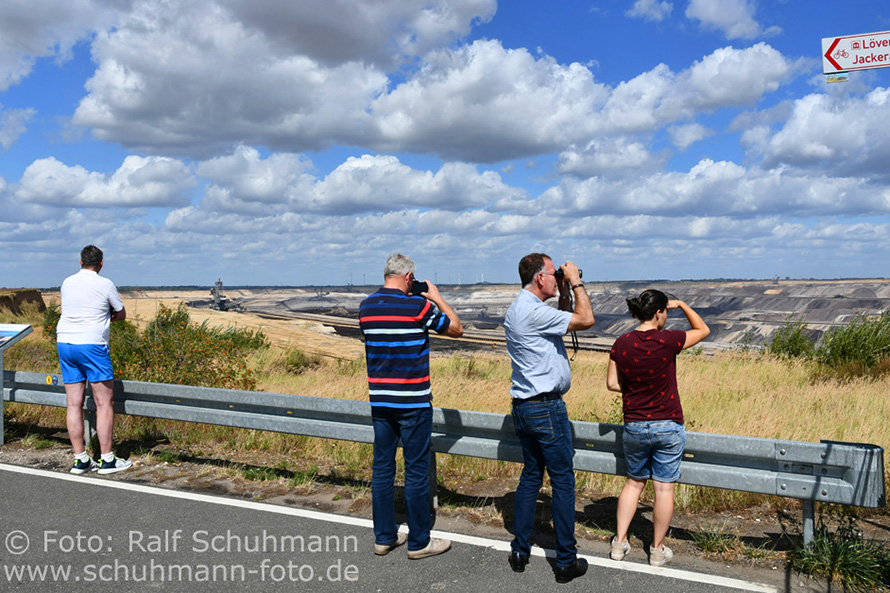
434,481
809,513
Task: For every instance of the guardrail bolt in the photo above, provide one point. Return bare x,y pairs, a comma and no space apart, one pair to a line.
781,451
825,493
783,487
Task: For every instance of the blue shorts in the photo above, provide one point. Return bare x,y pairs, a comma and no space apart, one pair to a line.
654,450
80,362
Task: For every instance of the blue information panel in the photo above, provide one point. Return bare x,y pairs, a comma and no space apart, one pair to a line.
10,333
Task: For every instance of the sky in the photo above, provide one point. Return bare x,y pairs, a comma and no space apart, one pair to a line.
282,143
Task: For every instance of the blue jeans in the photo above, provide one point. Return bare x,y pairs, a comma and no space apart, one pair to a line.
654,449
414,426
546,437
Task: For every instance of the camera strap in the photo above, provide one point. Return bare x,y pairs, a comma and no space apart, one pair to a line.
574,346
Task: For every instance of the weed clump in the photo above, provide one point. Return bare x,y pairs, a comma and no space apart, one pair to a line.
297,362
860,348
792,340
844,556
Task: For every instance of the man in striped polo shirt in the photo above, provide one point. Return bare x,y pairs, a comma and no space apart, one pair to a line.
396,326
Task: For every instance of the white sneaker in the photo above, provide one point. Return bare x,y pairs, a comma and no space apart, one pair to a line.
619,550
656,557
115,465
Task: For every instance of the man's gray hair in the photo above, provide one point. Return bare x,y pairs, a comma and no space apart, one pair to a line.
398,265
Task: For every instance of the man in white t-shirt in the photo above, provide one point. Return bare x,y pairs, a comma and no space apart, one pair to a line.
89,304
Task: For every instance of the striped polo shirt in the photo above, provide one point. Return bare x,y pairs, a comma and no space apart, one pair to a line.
397,347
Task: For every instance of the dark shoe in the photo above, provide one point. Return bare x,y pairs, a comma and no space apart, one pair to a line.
82,467
115,465
564,575
517,561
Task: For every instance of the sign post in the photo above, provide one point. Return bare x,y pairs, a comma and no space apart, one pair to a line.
9,335
855,52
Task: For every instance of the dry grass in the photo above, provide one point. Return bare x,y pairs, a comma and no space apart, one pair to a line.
729,393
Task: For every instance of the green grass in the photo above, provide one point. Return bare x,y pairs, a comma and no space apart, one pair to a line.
304,478
35,441
167,456
844,556
718,541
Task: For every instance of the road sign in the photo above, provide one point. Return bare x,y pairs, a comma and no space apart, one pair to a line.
856,52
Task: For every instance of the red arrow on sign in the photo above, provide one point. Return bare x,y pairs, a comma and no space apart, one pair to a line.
828,54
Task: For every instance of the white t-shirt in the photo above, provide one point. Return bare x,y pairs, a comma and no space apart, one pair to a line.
87,303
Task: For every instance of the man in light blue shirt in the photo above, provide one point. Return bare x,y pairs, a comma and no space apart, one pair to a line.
541,375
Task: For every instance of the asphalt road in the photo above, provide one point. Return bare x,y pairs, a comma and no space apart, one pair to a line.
88,533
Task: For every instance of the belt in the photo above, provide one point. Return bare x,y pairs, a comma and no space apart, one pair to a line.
541,397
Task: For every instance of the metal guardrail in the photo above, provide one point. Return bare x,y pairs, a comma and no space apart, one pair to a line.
834,472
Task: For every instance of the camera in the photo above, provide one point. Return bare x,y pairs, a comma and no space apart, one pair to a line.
558,274
418,287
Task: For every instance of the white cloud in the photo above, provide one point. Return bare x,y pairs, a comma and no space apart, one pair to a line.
465,103
841,137
652,10
383,183
184,79
726,77
730,76
244,183
611,157
49,28
734,18
717,189
684,136
13,123
151,181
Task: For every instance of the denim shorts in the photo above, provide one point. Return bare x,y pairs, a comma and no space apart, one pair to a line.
90,362
654,450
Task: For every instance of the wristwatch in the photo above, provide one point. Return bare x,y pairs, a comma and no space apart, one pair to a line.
579,285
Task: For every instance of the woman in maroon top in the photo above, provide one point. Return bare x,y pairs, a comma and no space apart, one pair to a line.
642,367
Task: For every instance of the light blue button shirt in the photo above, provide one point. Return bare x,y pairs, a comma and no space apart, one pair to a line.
535,332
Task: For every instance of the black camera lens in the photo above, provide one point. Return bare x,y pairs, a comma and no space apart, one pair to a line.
418,287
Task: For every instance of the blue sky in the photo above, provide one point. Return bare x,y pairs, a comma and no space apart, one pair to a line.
292,143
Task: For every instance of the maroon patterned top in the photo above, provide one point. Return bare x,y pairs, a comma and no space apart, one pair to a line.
647,367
